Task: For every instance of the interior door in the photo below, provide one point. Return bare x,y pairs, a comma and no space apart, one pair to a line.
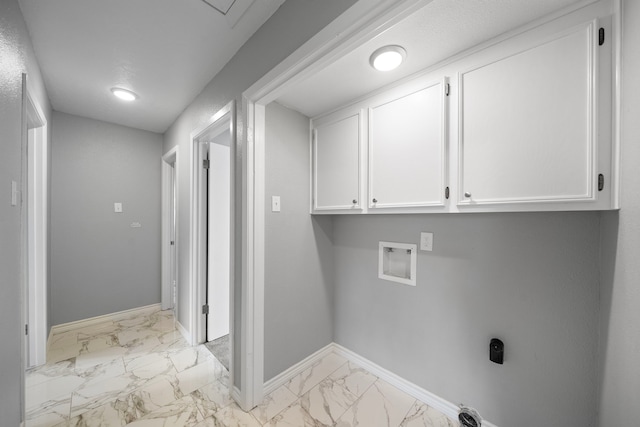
219,236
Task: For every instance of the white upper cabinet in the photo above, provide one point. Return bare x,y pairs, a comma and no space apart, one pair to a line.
337,160
524,123
407,148
527,128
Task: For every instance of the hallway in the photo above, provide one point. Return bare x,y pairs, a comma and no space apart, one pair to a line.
139,371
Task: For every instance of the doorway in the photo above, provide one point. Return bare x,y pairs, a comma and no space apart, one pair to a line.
170,231
211,235
218,245
35,188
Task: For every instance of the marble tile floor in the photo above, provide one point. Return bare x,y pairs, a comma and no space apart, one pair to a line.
140,372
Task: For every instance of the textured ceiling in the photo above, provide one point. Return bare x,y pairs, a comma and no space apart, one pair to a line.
166,51
439,30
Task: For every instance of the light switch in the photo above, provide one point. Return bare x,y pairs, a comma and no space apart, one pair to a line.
426,241
117,207
14,193
275,203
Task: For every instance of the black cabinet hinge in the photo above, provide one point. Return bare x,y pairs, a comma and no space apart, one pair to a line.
601,36
600,182
446,193
447,89
205,309
26,329
205,164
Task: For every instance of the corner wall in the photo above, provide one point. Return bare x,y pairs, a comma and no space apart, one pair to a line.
530,279
17,57
100,264
298,289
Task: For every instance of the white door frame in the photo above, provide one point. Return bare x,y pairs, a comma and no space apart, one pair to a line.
169,186
223,120
37,209
357,25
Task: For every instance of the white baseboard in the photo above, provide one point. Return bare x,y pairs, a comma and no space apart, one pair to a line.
185,334
64,327
444,406
235,394
286,376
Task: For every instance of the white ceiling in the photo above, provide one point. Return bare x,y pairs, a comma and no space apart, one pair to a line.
166,51
438,31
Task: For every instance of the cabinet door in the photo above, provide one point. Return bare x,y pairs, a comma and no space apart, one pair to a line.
527,124
337,164
407,153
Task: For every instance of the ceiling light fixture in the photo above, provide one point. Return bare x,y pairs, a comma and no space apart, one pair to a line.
388,58
124,94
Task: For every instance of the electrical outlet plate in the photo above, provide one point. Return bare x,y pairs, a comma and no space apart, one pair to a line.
14,193
117,207
426,241
275,203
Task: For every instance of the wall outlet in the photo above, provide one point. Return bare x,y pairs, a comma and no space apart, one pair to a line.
426,241
117,207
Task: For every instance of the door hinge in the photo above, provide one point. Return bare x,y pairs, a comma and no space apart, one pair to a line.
600,182
26,329
446,193
205,309
601,36
205,163
447,89
173,243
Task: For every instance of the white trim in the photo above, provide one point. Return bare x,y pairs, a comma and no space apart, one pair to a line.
119,315
249,364
185,334
37,206
617,105
287,375
168,172
235,392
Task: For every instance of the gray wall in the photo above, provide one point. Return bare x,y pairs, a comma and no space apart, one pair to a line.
99,264
295,22
620,322
530,279
298,264
16,57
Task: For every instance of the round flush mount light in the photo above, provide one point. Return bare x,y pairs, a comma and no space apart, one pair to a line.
124,94
387,58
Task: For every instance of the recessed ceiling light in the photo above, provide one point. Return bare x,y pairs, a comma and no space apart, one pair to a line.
124,94
388,58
